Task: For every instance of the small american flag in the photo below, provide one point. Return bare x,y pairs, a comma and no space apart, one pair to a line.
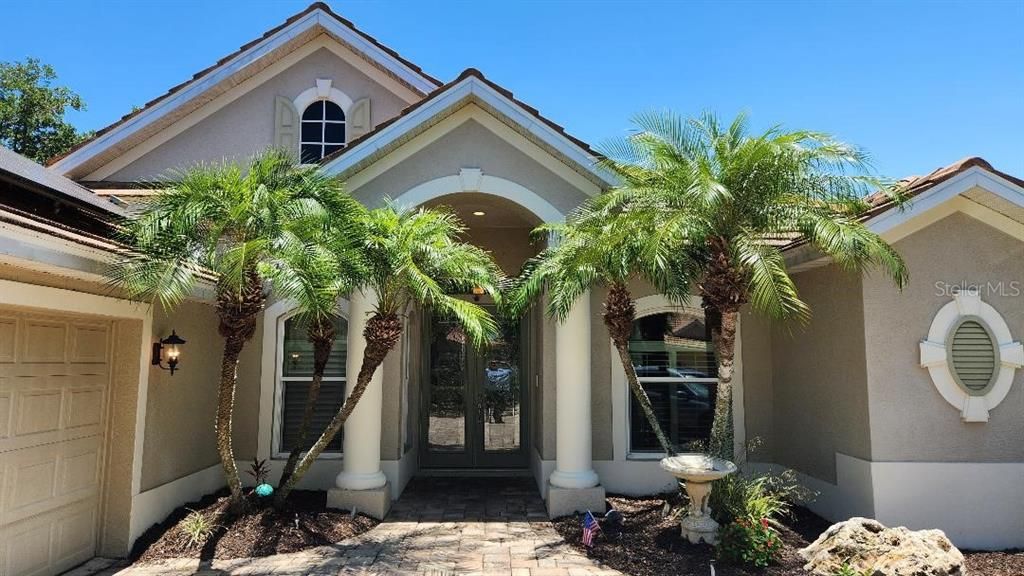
590,528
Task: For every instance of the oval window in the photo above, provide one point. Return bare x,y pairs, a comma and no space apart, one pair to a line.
974,355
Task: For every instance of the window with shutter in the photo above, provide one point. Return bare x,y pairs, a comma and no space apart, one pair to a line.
296,377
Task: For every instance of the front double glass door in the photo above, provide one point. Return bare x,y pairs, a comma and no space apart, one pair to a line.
473,400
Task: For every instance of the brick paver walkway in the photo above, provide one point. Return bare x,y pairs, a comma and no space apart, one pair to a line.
438,527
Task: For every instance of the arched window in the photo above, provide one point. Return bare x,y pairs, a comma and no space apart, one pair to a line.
323,130
296,374
675,362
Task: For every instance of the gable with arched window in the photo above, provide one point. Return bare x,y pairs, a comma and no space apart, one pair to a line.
319,121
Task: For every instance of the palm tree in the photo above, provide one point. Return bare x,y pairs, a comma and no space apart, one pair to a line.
597,246
725,200
223,223
412,257
317,263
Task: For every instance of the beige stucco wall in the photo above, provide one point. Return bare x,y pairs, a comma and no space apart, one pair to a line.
470,145
820,403
247,124
758,395
910,420
600,379
510,247
247,395
180,409
117,482
391,410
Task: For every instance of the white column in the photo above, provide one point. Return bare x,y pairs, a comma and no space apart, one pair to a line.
363,429
573,465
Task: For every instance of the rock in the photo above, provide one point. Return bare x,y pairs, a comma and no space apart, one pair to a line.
871,548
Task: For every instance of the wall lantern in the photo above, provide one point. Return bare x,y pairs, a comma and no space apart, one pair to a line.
478,291
173,345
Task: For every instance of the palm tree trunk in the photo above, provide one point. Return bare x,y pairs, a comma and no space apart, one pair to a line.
724,340
724,292
321,335
619,313
225,407
237,313
382,333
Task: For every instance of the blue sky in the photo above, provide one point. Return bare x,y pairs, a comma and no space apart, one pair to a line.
917,84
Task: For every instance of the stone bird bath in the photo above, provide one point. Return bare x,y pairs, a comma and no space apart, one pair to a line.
697,472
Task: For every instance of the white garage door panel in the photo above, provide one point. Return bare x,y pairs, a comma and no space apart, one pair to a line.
49,543
53,393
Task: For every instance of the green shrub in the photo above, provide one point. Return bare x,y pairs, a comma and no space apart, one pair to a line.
750,543
768,496
746,507
197,528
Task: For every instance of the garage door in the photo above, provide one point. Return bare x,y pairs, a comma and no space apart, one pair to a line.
54,372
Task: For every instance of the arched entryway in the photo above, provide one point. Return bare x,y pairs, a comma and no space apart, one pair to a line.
474,404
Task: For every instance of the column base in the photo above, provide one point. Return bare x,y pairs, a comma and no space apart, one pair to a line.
565,501
374,502
360,481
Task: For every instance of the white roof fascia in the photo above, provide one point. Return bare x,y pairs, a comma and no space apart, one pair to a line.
471,86
944,191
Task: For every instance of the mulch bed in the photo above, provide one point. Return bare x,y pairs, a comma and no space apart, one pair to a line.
304,523
650,545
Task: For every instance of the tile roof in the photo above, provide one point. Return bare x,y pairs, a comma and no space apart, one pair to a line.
912,186
915,185
198,75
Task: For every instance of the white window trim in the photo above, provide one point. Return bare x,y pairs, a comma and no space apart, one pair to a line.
271,393
622,395
323,90
935,356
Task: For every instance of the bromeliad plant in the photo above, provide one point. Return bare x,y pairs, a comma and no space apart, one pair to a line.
725,199
599,246
224,224
411,257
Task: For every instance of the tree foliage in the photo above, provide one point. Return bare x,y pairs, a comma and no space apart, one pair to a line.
599,246
32,111
407,257
723,200
236,227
